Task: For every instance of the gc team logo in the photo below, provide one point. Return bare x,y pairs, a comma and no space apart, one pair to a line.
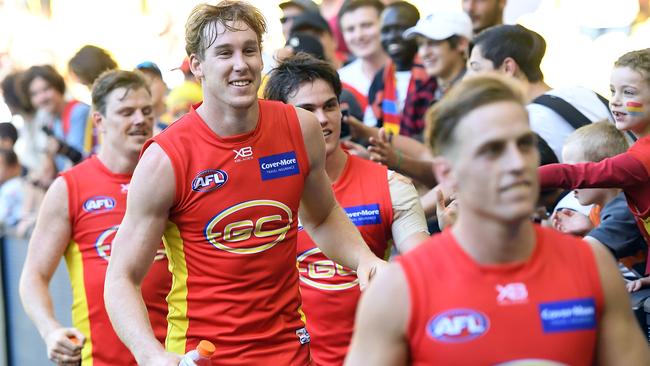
319,272
99,204
209,180
458,325
104,243
238,224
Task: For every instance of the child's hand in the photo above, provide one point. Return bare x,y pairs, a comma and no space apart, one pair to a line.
571,222
636,285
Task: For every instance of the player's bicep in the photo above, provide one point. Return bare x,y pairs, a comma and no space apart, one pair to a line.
151,194
51,234
380,325
317,198
620,340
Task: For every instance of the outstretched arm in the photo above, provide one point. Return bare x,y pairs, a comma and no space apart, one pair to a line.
134,248
321,215
619,171
46,247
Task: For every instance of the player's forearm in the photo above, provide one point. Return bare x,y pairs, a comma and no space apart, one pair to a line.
37,302
128,315
340,240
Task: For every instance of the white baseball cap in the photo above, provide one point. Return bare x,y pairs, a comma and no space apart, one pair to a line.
442,25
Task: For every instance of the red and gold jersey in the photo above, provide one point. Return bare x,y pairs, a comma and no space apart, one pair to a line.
231,239
97,203
329,291
545,309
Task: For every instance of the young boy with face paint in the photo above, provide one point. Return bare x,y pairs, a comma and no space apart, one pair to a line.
630,171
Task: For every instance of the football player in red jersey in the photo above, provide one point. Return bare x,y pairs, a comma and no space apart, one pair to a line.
79,217
229,178
495,288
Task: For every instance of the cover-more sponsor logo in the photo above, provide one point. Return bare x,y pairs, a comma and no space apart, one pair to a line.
278,166
364,214
568,315
319,272
99,204
209,180
458,325
240,229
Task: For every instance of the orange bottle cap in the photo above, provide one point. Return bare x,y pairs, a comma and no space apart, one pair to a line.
74,340
206,348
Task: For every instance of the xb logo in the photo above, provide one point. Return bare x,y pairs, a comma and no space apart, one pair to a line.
245,153
241,224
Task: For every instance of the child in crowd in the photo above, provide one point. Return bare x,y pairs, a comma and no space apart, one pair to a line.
629,171
610,223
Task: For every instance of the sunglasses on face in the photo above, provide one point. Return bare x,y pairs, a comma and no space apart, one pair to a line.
283,20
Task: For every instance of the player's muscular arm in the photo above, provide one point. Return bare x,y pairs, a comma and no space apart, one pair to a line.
46,246
620,341
380,325
134,248
321,215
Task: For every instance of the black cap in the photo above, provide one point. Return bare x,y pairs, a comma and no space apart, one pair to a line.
305,42
309,20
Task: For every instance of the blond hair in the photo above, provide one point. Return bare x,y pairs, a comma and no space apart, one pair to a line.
598,141
201,26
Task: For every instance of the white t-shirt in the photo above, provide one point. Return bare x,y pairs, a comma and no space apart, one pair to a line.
352,74
555,129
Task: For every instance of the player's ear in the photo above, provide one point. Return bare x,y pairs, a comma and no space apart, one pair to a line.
444,174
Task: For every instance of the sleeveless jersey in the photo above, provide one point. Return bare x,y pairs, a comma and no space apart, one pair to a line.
544,309
329,291
231,238
97,203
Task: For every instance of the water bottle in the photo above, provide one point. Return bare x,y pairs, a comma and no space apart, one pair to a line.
199,356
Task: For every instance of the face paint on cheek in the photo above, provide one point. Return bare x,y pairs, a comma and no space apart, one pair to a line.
634,109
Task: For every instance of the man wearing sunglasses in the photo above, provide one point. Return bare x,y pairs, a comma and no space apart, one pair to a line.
291,9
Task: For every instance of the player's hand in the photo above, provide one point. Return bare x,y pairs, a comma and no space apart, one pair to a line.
382,151
64,345
446,208
571,222
368,267
356,149
358,130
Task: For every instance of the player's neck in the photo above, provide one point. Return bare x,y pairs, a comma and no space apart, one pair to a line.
335,164
228,121
117,162
488,241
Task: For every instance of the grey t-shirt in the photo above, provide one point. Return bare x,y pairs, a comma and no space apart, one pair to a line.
618,229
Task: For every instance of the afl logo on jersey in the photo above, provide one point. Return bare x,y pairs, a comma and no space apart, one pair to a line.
317,271
241,229
209,180
99,204
458,325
